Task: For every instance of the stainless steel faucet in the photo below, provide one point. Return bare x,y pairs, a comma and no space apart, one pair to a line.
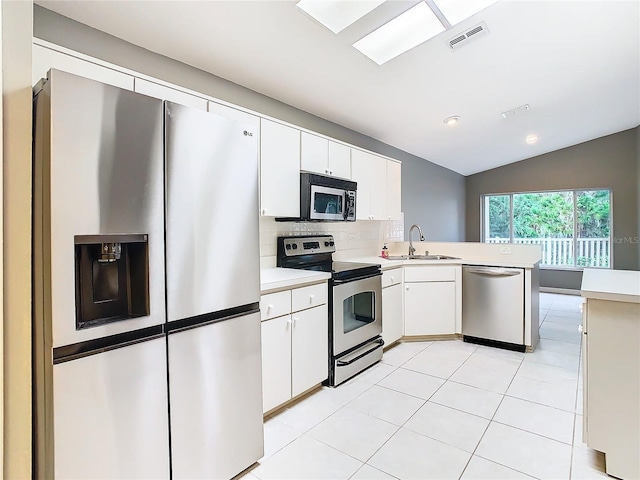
412,250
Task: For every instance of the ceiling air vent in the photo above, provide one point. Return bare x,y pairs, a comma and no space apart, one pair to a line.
464,38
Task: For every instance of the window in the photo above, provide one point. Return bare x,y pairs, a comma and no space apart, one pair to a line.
573,227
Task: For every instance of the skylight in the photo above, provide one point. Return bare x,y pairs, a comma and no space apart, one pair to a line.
337,15
408,30
456,11
415,26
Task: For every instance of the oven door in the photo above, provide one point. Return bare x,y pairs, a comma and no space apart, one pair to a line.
327,203
357,312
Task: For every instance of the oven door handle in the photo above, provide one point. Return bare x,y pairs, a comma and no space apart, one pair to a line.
343,363
355,279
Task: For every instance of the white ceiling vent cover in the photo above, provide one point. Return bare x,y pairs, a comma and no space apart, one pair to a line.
464,38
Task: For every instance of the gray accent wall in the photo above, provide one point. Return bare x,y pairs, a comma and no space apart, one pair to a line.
432,195
611,162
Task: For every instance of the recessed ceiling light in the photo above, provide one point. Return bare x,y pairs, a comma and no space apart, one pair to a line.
406,31
531,139
456,11
452,120
337,15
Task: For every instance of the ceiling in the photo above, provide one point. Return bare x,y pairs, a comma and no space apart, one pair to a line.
575,63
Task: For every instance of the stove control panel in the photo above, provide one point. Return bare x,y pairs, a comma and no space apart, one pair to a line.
305,245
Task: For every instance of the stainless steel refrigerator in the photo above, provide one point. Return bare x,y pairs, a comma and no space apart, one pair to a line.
147,336
100,387
213,293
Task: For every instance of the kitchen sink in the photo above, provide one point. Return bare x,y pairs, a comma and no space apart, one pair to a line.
422,257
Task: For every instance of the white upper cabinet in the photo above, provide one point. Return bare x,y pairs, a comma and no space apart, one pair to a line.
279,170
324,156
394,190
45,59
339,160
370,173
235,114
162,92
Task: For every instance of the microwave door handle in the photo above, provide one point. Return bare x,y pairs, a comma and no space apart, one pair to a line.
345,209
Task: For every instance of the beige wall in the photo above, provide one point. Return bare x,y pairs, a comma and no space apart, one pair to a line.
606,162
17,21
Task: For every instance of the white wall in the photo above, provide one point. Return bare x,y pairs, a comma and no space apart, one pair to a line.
17,21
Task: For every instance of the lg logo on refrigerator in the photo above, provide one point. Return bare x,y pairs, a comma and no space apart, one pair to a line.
248,134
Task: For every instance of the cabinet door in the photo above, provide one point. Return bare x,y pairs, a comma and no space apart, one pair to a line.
392,328
163,92
314,155
429,308
45,59
279,170
394,190
276,362
378,180
339,160
309,349
361,165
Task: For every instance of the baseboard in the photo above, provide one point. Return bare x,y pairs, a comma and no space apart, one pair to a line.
563,291
430,338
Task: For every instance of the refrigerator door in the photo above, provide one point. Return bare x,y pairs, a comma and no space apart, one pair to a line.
215,390
110,414
98,171
213,258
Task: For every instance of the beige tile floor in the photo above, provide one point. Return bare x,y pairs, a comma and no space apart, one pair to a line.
440,410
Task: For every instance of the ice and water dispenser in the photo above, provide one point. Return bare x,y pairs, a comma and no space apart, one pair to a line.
112,278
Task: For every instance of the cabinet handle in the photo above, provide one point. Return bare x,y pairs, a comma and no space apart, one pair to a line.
311,298
392,279
407,288
295,319
289,321
269,307
263,211
330,172
580,329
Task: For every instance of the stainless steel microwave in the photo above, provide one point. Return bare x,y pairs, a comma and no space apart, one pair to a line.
325,199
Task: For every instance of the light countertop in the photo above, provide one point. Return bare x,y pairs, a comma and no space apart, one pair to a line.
272,279
616,285
488,261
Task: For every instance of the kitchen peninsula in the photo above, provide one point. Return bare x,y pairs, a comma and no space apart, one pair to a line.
611,368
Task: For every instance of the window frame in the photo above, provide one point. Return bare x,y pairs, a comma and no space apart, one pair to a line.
484,218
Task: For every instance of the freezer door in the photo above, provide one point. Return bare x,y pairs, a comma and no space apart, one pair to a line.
215,390
110,413
213,257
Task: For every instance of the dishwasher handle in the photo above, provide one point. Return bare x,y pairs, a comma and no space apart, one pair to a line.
496,272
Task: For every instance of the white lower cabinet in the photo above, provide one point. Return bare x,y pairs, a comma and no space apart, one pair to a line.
392,327
295,350
309,349
276,362
432,300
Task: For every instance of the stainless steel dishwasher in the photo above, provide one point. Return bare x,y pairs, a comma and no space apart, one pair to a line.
493,306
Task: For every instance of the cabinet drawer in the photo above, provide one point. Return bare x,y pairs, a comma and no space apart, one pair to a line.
437,273
307,297
275,304
391,277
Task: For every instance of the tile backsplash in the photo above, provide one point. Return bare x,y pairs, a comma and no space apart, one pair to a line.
353,239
